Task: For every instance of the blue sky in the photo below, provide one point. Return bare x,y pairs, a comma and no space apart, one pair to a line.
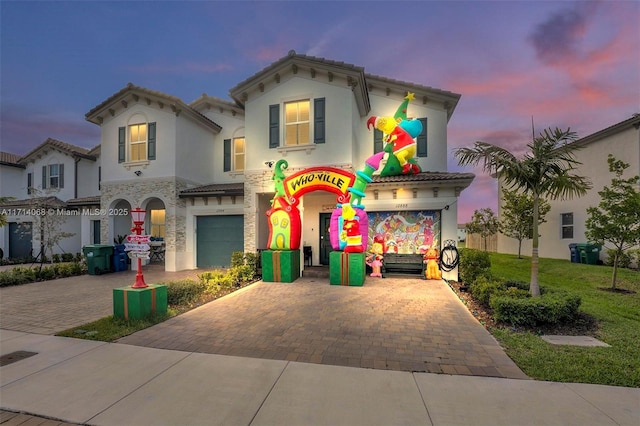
567,64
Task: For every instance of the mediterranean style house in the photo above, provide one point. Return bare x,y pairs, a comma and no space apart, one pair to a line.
565,222
203,170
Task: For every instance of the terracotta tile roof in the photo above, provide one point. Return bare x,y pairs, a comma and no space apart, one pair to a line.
93,115
8,159
293,55
84,201
425,177
74,150
214,189
52,202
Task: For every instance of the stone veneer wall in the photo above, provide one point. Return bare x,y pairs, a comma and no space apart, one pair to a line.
140,190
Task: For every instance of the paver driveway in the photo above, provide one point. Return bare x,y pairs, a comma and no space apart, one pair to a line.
393,323
48,307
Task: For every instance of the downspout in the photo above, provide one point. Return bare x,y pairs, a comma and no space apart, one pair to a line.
75,177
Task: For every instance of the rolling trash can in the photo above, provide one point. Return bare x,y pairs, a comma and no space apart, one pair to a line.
589,253
98,258
575,254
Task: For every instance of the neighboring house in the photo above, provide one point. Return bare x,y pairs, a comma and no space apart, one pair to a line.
462,232
566,219
53,176
203,170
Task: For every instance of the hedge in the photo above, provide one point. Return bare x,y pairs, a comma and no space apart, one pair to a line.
551,307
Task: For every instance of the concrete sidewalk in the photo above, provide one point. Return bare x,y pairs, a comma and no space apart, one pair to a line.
99,383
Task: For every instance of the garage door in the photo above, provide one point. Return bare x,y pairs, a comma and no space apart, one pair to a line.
20,239
218,237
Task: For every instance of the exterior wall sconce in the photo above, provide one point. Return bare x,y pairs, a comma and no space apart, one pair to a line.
137,172
268,164
395,193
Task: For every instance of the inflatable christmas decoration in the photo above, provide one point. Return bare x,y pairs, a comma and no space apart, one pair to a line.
349,225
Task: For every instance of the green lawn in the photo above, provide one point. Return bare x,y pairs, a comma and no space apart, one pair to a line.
618,316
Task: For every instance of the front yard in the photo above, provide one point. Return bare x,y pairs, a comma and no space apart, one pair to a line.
617,323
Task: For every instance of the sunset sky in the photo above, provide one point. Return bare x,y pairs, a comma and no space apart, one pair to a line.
566,64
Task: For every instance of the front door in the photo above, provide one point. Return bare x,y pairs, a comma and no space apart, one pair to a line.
325,239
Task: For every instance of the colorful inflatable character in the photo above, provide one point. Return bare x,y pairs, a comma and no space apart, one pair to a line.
285,225
351,230
400,136
374,260
432,271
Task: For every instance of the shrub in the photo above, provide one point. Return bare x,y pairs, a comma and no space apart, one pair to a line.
482,289
237,258
623,262
241,274
78,257
67,257
474,264
55,258
251,260
216,280
65,270
184,292
552,307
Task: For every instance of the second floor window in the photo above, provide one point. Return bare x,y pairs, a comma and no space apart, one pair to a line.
138,142
567,225
53,176
234,154
297,128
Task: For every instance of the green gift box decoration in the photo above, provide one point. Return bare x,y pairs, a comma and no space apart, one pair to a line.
137,303
281,266
346,268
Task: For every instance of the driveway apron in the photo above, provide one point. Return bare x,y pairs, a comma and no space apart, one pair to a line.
390,324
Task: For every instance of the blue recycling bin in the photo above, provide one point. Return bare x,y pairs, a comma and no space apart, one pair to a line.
120,262
575,254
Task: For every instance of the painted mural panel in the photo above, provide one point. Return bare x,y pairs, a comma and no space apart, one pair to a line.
406,232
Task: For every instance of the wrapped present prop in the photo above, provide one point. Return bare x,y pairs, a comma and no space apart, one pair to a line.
346,268
280,266
137,303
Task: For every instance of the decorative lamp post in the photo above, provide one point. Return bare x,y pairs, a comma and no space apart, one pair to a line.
138,215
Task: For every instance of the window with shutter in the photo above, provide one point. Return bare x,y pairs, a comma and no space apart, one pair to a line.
318,120
122,139
274,126
227,155
422,139
378,145
151,142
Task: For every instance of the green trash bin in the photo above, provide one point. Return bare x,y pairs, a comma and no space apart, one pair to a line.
98,258
589,253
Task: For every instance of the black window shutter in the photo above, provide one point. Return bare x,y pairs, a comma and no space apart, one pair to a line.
61,176
274,126
227,155
378,146
44,177
122,136
318,120
422,138
151,142
29,182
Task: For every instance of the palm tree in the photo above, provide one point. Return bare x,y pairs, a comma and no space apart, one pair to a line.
545,171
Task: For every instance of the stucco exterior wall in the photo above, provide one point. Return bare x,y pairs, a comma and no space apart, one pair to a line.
625,146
